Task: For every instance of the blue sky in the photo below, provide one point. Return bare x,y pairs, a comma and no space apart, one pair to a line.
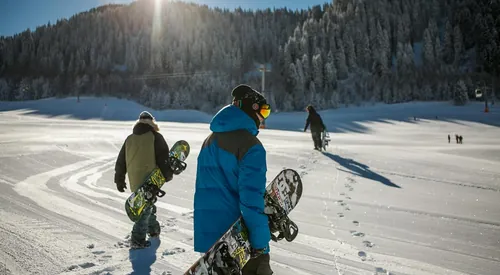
18,15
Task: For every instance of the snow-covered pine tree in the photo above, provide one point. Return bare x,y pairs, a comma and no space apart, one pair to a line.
4,90
340,62
458,45
428,50
460,97
448,47
318,73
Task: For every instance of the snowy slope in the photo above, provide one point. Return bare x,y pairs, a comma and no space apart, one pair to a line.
106,108
354,119
390,195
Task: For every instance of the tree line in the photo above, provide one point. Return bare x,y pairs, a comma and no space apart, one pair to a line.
184,55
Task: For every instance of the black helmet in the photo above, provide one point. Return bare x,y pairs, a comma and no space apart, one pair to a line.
253,103
247,95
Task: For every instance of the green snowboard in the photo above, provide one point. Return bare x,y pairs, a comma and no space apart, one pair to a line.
148,192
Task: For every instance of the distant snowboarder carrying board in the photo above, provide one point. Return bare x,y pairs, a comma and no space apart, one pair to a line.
317,126
231,178
143,150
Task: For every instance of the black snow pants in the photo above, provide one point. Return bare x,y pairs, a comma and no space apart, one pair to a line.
316,137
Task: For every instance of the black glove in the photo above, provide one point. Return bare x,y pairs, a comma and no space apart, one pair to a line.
121,186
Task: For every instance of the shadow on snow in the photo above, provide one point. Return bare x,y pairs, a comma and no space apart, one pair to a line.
358,119
143,259
360,169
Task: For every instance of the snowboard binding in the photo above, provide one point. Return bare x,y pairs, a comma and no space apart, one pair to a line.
177,166
279,222
152,192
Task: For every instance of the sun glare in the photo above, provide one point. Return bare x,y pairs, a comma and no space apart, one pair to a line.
156,21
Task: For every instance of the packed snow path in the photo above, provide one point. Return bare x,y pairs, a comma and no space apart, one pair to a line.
395,198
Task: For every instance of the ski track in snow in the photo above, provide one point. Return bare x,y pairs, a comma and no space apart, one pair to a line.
61,212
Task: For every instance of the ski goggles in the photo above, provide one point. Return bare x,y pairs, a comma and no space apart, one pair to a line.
265,110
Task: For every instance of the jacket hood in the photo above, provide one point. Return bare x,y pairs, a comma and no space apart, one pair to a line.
311,109
231,118
143,126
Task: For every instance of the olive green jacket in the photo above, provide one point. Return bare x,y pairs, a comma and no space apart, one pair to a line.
143,150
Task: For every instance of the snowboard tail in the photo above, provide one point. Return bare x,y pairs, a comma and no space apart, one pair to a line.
325,139
281,197
150,190
232,251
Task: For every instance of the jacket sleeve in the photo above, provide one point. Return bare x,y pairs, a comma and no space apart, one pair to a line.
308,120
161,155
121,165
252,186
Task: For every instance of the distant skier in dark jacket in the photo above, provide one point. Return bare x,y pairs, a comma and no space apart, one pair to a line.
143,150
317,126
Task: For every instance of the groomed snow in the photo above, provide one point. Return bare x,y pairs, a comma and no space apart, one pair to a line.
391,195
106,108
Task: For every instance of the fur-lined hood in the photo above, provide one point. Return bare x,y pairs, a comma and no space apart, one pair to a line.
140,123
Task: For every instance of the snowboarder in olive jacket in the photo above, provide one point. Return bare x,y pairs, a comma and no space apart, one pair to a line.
143,150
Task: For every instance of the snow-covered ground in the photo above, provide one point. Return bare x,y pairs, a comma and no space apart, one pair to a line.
391,195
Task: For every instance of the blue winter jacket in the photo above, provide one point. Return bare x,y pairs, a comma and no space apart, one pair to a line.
230,181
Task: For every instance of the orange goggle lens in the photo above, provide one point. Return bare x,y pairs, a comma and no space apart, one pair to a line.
265,110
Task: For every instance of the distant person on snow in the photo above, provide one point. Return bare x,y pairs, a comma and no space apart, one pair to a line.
449,139
317,126
143,150
231,178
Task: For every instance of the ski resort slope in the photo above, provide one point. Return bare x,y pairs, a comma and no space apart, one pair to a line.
390,195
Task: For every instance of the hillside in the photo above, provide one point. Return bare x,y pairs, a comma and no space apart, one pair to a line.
104,108
340,120
187,56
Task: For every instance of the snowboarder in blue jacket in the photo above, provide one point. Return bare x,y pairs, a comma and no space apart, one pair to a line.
231,178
